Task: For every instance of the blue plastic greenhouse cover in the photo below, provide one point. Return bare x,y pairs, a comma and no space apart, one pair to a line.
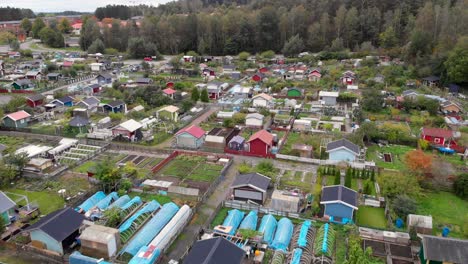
302,241
250,221
78,258
104,203
297,254
135,200
233,220
91,201
325,238
283,235
152,228
268,227
120,202
145,255
149,207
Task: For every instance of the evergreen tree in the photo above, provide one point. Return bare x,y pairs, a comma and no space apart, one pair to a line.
204,96
348,180
195,94
372,177
337,177
37,26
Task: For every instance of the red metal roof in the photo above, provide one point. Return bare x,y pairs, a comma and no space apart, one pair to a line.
264,136
437,132
193,130
67,63
169,91
19,115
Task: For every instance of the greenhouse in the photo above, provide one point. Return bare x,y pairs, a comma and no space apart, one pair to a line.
146,255
120,202
135,201
78,258
250,221
91,202
233,221
283,235
132,224
267,228
104,203
325,241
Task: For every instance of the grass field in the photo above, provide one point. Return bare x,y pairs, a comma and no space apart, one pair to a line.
161,199
371,217
83,168
398,152
192,168
446,210
47,202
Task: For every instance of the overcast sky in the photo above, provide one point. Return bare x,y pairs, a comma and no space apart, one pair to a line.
72,5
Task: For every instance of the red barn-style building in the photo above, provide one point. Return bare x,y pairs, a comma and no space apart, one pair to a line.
438,136
258,77
260,143
35,100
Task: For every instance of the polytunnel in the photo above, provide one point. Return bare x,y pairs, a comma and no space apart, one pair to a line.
250,221
151,228
132,202
146,255
170,230
104,203
268,227
91,201
283,235
233,220
297,254
120,202
302,241
148,208
77,258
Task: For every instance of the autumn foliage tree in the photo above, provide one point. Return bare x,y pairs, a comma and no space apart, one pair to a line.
418,162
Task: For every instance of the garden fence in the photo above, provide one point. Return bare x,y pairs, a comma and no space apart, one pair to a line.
260,209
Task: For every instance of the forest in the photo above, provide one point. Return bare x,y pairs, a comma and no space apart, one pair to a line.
12,13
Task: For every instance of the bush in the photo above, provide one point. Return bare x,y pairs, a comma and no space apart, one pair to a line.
403,205
460,186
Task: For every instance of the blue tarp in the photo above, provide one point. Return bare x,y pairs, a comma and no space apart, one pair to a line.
302,241
268,227
152,228
325,238
283,235
233,220
104,203
135,200
120,202
446,150
250,221
297,254
78,258
91,201
149,259
149,207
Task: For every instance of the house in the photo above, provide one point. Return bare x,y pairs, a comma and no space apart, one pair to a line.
56,231
258,77
144,81
65,101
294,92
343,150
260,143
436,249
236,143
171,110
104,78
53,76
339,203
190,137
262,100
91,103
35,100
33,75
18,119
431,81
410,94
169,92
218,138
22,84
348,78
215,89
96,67
7,207
254,120
250,187
213,251
328,98
129,129
116,106
438,136
450,107
93,88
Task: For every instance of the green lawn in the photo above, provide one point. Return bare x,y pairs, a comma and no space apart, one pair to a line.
330,180
84,168
162,199
447,210
397,151
371,217
47,202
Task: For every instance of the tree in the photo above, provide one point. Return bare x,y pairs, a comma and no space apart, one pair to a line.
15,45
243,56
113,216
51,37
7,173
90,31
403,205
372,100
293,46
348,179
195,94
108,174
337,177
457,63
423,144
228,123
37,26
460,186
269,54
204,96
418,162
139,48
26,25
356,255
64,26
388,38
18,161
186,105
392,185
97,47
6,37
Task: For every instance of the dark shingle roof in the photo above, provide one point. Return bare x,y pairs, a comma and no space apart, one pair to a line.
453,88
5,202
445,249
91,101
115,103
23,82
78,121
343,143
59,224
105,75
94,85
35,97
253,179
339,193
431,78
65,99
143,80
214,251
53,74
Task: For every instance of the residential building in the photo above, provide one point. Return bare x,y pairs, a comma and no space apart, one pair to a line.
53,76
169,92
438,136
22,84
236,143
315,75
339,203
348,78
90,103
250,187
33,75
104,78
